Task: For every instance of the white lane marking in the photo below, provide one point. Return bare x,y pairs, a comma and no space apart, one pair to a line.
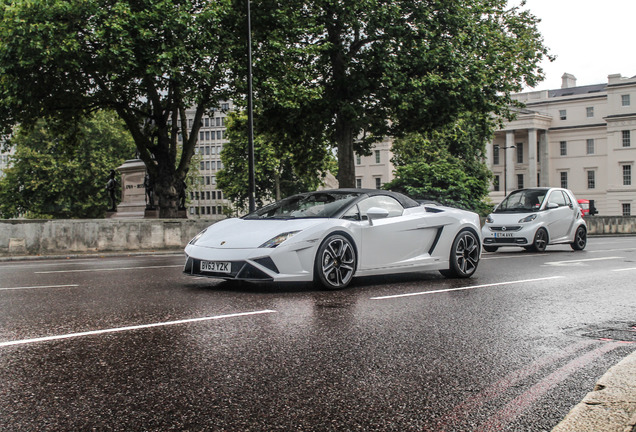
107,269
39,287
625,269
612,250
579,261
465,288
488,256
129,328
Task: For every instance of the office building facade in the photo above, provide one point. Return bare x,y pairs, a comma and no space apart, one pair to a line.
579,137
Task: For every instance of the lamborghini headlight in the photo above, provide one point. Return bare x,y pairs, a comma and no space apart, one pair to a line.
197,237
273,242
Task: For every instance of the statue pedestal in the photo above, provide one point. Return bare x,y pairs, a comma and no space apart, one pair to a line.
133,192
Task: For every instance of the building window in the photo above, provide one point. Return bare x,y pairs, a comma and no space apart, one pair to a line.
627,138
358,160
519,181
563,114
591,179
627,175
589,111
359,183
590,146
495,155
495,183
627,209
378,182
625,100
563,148
377,156
519,152
564,179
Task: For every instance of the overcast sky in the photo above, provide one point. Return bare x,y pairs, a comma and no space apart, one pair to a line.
590,38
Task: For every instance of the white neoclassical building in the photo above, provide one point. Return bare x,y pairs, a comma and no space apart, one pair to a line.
582,138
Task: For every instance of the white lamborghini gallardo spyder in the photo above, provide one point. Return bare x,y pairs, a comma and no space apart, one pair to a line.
331,236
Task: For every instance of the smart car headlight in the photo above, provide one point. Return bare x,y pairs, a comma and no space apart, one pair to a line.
197,237
489,219
529,218
273,242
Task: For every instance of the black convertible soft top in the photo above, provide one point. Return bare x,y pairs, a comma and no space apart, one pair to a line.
405,201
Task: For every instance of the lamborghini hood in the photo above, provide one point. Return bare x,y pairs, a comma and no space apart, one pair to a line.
247,234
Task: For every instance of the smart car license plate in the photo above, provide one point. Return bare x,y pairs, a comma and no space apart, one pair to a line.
216,266
499,235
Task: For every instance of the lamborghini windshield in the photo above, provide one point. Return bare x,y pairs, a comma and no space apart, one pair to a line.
522,201
311,205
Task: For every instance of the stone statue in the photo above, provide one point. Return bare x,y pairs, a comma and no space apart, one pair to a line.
149,184
111,187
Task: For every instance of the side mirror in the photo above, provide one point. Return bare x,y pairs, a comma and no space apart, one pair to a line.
552,206
376,213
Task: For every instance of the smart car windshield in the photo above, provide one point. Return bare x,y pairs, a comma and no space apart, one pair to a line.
313,205
522,201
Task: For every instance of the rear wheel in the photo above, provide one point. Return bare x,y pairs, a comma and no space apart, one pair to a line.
335,262
580,239
540,242
491,248
464,256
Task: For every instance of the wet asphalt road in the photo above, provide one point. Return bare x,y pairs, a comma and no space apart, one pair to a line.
131,344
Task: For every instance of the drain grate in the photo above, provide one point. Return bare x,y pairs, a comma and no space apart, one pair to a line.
622,333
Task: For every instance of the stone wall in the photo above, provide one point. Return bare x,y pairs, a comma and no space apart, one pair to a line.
75,236
55,237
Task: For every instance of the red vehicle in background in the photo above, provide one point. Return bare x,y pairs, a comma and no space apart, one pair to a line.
585,206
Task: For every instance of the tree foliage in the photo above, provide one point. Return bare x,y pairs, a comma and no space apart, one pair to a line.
60,170
146,60
446,165
359,71
275,173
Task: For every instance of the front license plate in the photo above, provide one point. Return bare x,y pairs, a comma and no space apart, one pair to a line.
216,266
499,235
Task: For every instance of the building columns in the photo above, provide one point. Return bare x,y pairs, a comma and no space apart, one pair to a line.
509,162
532,158
544,175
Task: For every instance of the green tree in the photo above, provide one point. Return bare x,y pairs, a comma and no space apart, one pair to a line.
446,165
359,71
146,60
60,170
275,174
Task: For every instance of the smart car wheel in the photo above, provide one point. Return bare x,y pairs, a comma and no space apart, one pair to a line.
580,239
335,262
464,256
540,242
491,248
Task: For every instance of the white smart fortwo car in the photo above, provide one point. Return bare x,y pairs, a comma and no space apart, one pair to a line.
533,219
331,236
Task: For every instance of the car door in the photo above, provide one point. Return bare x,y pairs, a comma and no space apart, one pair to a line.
395,241
560,218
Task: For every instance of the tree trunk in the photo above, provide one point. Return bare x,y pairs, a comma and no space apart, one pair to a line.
346,159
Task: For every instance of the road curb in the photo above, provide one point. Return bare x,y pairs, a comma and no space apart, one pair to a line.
611,406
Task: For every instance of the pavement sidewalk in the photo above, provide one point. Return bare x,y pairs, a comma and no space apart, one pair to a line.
611,406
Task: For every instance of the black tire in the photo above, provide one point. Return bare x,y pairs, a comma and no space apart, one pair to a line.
580,239
335,262
464,255
540,241
491,248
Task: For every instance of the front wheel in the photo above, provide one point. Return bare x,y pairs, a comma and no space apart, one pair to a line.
335,262
464,256
580,239
540,242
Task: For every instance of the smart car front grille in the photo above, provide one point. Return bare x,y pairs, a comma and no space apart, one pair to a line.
507,228
506,240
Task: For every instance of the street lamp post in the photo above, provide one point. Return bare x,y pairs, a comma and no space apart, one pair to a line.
250,117
505,167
